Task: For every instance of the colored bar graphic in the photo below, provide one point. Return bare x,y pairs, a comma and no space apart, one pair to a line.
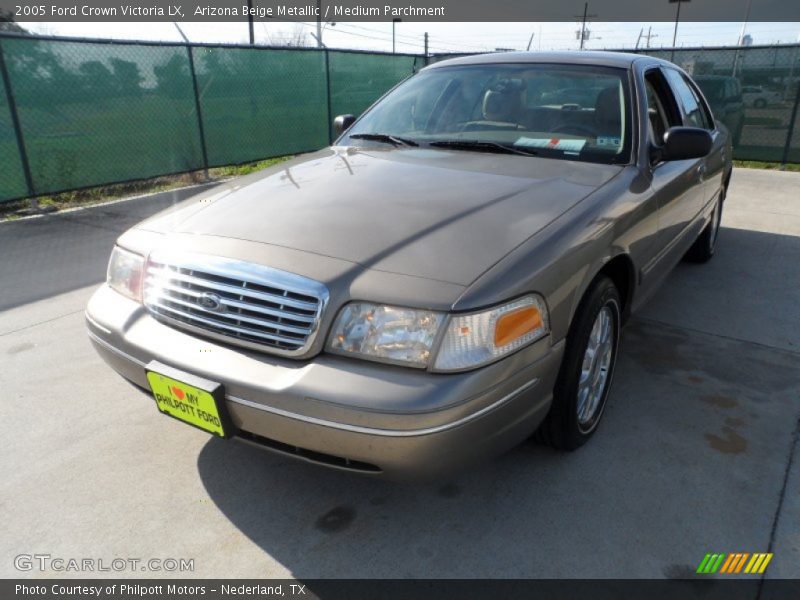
710,564
717,563
734,562
751,564
728,563
763,567
703,563
740,564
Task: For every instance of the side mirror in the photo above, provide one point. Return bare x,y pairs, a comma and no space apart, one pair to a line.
683,143
342,123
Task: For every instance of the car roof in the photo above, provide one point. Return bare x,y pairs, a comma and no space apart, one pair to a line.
587,57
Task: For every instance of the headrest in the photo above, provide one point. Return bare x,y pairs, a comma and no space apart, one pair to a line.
607,109
503,101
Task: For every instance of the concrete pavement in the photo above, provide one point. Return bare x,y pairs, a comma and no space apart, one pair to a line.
45,256
693,456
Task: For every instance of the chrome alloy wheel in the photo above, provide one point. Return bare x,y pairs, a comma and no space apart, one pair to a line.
596,369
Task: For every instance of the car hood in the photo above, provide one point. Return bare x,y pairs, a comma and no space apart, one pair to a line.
443,215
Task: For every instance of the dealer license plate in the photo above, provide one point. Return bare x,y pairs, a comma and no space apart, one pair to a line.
187,398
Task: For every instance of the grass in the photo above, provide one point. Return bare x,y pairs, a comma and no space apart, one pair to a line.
107,193
758,164
245,169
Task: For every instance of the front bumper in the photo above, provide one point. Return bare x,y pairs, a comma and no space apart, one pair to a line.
351,414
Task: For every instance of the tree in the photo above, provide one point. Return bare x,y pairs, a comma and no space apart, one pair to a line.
299,37
97,78
126,77
7,23
173,77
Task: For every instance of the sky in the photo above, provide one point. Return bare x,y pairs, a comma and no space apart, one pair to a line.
443,37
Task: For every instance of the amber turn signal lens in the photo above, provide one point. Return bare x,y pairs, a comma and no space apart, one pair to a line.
515,324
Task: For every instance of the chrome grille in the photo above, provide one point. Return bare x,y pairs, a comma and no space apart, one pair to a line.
242,303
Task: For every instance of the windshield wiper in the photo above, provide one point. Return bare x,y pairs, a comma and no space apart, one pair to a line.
482,146
384,137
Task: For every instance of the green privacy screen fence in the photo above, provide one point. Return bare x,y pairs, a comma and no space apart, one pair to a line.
82,113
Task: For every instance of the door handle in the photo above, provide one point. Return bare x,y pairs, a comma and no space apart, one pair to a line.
701,172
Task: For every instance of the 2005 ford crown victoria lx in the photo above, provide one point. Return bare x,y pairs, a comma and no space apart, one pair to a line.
445,280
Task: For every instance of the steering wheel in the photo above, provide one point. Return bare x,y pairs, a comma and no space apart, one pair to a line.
574,129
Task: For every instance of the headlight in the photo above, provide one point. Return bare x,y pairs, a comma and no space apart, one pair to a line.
125,273
385,333
480,338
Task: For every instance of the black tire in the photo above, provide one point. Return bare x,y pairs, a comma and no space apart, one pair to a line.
705,245
562,427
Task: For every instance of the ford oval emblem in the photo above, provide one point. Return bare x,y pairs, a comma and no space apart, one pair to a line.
211,301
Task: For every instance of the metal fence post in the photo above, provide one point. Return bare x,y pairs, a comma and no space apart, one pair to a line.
328,93
198,110
12,108
790,133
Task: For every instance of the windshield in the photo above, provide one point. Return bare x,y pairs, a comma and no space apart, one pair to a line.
557,111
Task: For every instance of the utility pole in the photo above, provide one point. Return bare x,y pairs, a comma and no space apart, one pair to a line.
183,35
530,41
650,35
426,46
584,34
744,24
395,21
319,25
250,22
639,39
737,55
677,19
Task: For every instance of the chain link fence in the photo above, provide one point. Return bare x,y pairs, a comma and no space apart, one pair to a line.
754,91
12,180
256,104
81,113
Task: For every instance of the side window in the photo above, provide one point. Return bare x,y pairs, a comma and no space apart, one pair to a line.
701,102
662,111
694,115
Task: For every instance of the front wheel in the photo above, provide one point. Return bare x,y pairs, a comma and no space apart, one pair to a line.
584,381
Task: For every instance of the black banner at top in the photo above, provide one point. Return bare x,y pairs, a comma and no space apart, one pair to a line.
407,10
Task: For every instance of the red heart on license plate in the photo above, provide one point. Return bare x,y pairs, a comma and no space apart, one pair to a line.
178,392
